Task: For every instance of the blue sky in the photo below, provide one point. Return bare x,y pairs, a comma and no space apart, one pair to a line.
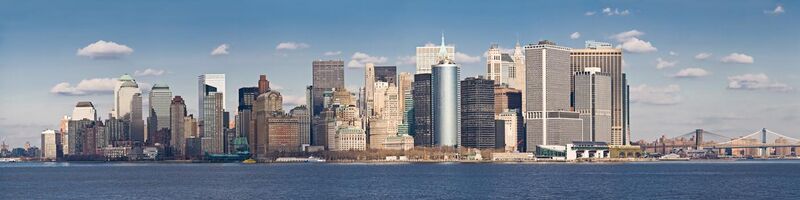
727,93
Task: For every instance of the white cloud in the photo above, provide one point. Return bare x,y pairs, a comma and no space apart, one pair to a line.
292,100
360,59
691,73
222,49
104,50
589,13
332,53
755,82
702,56
86,87
777,11
575,35
431,44
406,60
464,58
661,63
630,42
149,72
737,58
608,11
645,94
672,53
291,46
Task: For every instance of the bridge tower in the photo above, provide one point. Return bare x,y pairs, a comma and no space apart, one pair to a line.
698,139
764,152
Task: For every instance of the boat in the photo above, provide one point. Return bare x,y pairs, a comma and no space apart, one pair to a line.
249,161
9,160
672,157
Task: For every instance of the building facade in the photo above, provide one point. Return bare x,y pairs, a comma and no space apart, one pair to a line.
593,102
160,99
477,113
423,113
326,75
445,89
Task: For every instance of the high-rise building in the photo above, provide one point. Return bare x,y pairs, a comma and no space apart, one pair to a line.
500,67
369,89
423,111
379,98
117,132
128,107
50,144
177,130
593,102
136,126
405,85
207,83
266,106
386,74
212,137
159,118
326,75
549,118
512,130
519,73
283,133
477,113
304,119
445,89
244,119
428,55
84,110
78,136
506,98
379,130
609,59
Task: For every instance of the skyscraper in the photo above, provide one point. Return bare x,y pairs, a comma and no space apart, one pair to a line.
244,119
84,110
283,133
304,118
326,75
506,98
428,55
602,55
386,74
50,145
204,83
177,130
405,88
477,113
212,138
500,66
445,89
519,74
593,102
136,130
369,89
548,118
263,84
159,118
128,107
423,113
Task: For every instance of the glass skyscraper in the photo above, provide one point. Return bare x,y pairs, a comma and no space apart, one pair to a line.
445,93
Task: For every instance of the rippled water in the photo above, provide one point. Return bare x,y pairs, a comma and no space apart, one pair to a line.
677,180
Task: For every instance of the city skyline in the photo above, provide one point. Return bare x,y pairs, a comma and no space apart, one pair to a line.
715,79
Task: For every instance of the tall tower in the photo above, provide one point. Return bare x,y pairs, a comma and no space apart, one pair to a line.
369,88
204,85
593,102
519,73
446,98
423,113
177,140
548,118
263,84
159,116
609,59
477,113
500,66
326,76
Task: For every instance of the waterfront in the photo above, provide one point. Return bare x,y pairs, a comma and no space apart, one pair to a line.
651,180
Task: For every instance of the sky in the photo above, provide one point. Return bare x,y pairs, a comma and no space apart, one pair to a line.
730,67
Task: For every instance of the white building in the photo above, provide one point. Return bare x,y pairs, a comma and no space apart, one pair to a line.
510,128
350,138
49,144
428,55
217,81
500,67
84,110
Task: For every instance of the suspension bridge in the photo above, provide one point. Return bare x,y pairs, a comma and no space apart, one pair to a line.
762,143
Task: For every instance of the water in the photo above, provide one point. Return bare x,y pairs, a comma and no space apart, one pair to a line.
662,180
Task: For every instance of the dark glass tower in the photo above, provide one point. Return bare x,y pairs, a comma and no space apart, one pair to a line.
477,113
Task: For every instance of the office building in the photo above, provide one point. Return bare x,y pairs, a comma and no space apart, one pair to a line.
211,128
117,132
244,118
78,135
602,55
518,81
326,75
477,113
513,135
500,66
423,113
263,84
506,98
428,55
304,119
445,89
549,118
386,74
369,89
50,144
159,118
208,83
593,102
350,139
177,140
84,110
283,134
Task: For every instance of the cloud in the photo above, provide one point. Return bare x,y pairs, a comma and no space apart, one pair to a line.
332,53
691,73
291,46
777,11
609,12
575,35
430,44
222,49
630,42
149,72
85,87
464,58
702,56
104,50
293,100
672,53
359,59
645,94
406,60
737,58
589,13
755,82
661,63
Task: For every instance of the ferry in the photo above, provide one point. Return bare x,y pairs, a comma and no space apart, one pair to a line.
310,159
9,160
672,157
249,161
